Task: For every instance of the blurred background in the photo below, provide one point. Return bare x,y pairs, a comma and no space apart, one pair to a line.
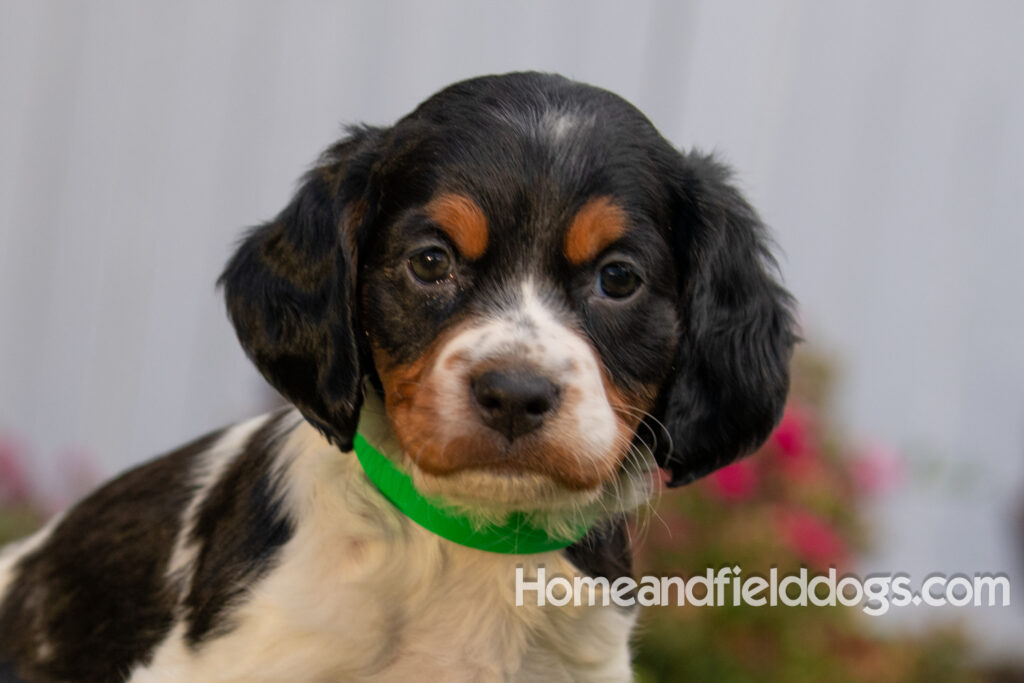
882,141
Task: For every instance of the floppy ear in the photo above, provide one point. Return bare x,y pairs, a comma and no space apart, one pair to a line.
737,331
290,290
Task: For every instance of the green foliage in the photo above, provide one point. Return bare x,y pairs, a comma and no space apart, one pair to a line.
16,521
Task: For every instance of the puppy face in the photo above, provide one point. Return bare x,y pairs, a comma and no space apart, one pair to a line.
527,272
521,320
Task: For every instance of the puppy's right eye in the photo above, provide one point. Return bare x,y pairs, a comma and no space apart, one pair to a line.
431,265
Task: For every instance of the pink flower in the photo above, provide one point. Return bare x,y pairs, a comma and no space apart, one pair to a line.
794,447
813,539
735,482
791,436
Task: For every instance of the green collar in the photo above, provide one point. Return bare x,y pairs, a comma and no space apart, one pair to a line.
515,537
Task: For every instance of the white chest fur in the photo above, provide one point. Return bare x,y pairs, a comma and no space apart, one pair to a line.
360,593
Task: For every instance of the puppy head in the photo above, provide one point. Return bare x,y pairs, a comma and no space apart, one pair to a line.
536,283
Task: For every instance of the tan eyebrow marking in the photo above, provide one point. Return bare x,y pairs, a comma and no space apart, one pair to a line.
463,221
597,224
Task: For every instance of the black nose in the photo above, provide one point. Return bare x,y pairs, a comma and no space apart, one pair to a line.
514,402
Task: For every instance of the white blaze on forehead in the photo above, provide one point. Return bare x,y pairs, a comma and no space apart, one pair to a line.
558,124
529,332
553,124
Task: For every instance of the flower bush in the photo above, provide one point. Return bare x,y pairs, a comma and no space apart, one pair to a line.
796,503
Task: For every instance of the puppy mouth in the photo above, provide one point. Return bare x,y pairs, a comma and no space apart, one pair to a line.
483,489
562,462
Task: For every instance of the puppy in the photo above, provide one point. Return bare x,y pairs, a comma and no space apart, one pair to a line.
517,303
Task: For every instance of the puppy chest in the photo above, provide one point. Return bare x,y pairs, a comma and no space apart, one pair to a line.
426,611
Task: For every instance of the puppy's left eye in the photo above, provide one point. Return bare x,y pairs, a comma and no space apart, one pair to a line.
617,280
431,265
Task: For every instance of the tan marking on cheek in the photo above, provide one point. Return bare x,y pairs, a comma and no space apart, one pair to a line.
402,382
463,221
575,470
628,406
410,399
596,225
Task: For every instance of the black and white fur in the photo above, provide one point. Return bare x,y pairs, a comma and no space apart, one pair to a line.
595,305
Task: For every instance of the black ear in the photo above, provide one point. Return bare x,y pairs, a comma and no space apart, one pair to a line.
290,290
737,331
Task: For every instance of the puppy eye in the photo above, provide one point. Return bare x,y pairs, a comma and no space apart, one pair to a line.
431,265
617,280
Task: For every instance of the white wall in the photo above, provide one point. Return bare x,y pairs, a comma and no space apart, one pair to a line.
883,141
